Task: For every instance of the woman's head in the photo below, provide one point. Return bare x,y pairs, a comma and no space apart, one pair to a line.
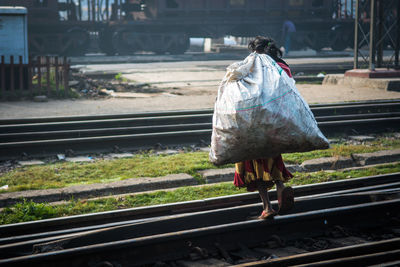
265,45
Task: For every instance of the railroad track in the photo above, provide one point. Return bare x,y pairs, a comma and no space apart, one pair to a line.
357,218
105,133
74,224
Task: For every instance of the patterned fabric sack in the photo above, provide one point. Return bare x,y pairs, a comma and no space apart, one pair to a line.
259,113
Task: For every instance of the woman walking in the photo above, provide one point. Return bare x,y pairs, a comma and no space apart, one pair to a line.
263,174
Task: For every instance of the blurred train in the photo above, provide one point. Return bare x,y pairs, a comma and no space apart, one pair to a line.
66,27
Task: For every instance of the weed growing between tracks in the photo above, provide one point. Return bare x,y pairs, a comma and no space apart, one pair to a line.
308,82
345,150
64,174
141,165
29,211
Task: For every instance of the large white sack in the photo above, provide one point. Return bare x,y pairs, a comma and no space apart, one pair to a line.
259,113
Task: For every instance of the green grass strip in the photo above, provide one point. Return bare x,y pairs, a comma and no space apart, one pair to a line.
63,174
29,211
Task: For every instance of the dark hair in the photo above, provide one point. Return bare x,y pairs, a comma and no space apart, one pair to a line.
265,45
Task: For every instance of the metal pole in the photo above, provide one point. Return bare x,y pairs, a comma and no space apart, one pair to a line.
48,75
21,74
93,10
30,75
107,10
80,9
89,12
356,36
12,85
39,66
69,10
65,76
3,77
118,10
372,36
352,9
98,9
56,75
379,59
397,48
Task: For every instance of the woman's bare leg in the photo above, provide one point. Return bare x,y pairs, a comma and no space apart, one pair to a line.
285,197
262,190
279,186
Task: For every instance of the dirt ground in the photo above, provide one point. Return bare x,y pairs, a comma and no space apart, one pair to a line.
180,86
191,98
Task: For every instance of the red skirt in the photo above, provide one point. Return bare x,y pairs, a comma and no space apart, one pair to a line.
268,169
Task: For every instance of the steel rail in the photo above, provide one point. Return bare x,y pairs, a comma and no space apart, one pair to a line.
213,216
64,134
358,108
105,123
93,132
362,254
357,116
197,220
169,129
373,258
175,245
103,143
305,203
111,116
81,221
318,110
375,125
179,223
100,144
352,103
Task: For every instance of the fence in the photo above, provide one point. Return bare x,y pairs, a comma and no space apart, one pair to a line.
43,75
377,27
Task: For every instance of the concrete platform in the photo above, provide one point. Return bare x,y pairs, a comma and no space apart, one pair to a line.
373,74
387,84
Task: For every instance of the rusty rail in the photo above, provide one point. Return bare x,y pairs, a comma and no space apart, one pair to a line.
213,232
43,75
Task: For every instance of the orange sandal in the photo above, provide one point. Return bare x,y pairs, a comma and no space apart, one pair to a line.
267,215
286,200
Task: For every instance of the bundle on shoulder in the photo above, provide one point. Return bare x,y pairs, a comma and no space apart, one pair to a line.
259,113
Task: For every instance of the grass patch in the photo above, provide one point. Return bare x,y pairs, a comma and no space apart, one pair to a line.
64,174
61,92
28,211
308,82
343,150
120,78
322,176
